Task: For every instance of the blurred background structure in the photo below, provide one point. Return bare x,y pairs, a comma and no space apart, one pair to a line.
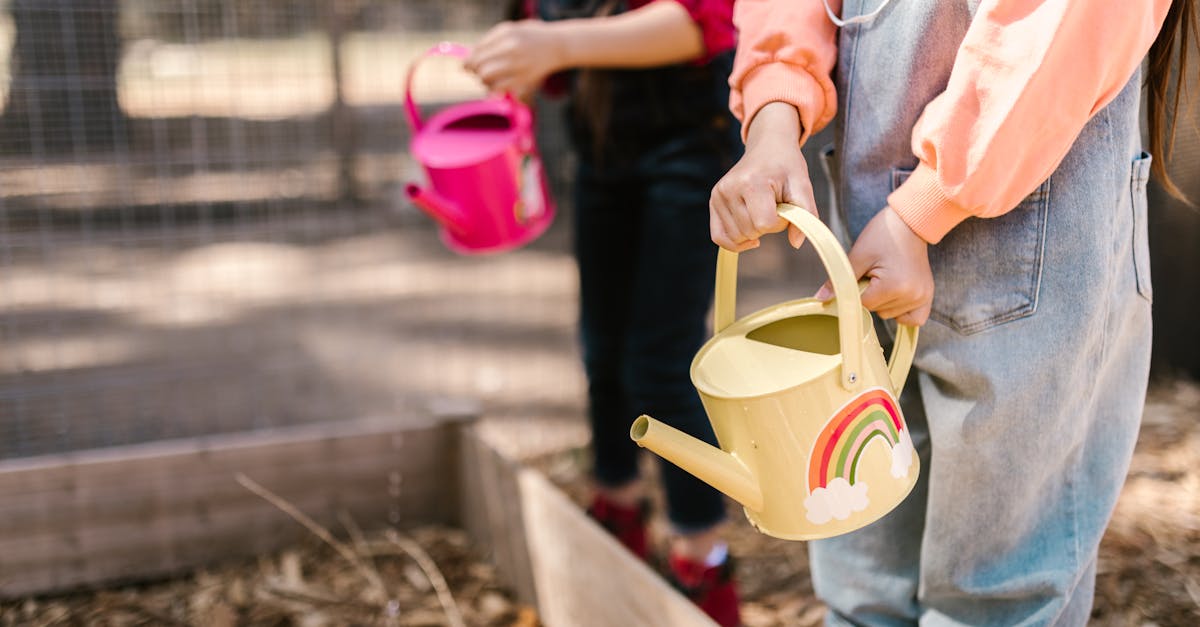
202,226
1175,246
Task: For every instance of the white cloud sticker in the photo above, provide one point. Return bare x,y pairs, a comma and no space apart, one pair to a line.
902,456
837,500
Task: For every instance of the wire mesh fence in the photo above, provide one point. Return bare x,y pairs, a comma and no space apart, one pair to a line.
201,225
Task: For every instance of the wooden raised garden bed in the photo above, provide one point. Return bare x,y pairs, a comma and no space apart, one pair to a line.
100,518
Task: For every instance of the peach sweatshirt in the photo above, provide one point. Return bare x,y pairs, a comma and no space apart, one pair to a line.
1028,76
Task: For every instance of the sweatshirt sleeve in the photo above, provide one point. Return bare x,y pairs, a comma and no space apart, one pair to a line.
785,52
1028,77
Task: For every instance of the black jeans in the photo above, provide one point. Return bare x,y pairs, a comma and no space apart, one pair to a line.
646,269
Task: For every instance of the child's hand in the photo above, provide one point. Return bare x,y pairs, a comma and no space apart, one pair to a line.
516,57
896,260
772,170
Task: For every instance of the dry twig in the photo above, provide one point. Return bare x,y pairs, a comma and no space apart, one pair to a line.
312,596
371,575
140,609
356,533
414,550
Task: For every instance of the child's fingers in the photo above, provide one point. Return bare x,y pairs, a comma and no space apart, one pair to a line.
489,71
746,203
730,211
798,191
908,311
725,232
717,232
484,52
762,212
896,302
825,293
742,213
916,317
795,236
720,233
716,229
889,312
737,245
888,297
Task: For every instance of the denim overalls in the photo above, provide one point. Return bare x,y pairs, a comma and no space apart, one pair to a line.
646,259
1031,373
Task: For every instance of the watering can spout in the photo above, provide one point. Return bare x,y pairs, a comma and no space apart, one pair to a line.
709,463
444,211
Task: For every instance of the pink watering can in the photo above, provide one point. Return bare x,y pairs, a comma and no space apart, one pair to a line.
487,189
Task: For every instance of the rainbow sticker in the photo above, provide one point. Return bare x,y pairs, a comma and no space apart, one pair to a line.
834,489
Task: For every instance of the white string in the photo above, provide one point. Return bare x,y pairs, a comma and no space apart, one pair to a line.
858,19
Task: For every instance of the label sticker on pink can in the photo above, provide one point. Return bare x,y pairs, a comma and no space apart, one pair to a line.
530,203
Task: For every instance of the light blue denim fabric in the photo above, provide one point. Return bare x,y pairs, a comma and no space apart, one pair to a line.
1029,378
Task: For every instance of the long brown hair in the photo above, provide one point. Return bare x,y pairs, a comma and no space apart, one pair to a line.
1166,82
593,94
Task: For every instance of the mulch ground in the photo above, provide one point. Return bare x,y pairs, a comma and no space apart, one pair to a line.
1149,568
1149,571
426,577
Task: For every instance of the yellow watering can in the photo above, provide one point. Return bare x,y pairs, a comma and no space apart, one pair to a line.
813,443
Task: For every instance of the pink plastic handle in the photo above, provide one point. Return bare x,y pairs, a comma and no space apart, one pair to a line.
445,49
451,49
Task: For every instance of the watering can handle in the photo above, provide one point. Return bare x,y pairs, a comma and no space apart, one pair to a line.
446,49
845,288
904,347
460,51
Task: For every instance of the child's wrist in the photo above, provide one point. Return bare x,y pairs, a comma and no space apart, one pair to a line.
775,123
564,50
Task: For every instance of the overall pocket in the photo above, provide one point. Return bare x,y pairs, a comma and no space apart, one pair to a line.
1141,246
987,271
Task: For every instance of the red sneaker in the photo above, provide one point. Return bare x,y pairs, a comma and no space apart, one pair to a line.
628,524
710,587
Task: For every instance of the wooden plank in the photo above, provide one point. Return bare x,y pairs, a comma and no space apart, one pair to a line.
148,510
267,443
175,528
552,553
584,576
156,509
102,501
490,511
100,489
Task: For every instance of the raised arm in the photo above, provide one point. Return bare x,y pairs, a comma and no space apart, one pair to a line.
782,91
517,56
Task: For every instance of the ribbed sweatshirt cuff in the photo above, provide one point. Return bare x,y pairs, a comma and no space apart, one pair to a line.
924,207
778,81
